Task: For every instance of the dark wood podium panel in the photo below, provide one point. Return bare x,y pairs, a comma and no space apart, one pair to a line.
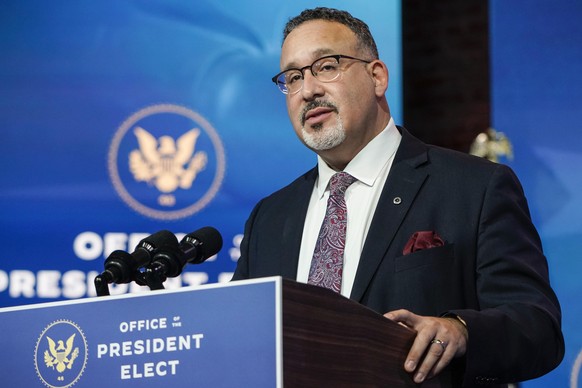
332,341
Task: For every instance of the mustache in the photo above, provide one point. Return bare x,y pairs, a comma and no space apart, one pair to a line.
316,104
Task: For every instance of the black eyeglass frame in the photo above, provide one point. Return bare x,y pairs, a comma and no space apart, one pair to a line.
282,86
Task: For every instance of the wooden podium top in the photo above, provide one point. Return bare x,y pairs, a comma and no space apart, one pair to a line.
329,340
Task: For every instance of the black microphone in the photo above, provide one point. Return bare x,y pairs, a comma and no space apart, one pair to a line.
121,267
194,248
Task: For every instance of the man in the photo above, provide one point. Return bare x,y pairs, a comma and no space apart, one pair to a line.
478,295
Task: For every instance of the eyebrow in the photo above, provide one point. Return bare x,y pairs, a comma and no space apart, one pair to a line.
316,55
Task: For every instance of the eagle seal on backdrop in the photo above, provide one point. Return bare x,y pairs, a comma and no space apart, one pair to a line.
165,163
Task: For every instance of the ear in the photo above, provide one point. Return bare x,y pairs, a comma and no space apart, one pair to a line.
379,73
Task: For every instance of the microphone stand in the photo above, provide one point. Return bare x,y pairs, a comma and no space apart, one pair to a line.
101,285
151,277
154,277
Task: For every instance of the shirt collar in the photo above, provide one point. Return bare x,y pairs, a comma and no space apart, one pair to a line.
368,163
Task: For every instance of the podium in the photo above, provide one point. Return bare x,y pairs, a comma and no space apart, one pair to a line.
268,332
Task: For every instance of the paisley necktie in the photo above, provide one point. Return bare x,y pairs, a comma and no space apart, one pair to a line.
327,263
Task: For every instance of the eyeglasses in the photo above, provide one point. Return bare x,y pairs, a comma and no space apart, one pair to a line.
324,69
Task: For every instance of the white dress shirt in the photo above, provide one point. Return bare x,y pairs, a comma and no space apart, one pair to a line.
370,167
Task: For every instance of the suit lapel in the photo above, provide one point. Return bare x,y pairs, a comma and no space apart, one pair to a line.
293,224
400,189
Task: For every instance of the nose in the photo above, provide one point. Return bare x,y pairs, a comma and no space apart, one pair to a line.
312,88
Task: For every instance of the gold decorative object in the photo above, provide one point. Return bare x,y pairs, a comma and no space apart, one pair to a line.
492,145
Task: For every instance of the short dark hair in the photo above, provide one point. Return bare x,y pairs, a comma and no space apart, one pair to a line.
365,40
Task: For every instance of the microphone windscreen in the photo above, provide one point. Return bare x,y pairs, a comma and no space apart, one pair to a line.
210,239
158,239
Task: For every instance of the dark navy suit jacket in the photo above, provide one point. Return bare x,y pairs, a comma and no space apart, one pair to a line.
491,271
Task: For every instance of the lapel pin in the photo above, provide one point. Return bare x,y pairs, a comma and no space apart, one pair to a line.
397,201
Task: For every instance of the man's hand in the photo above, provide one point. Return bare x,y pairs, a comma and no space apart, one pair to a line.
437,342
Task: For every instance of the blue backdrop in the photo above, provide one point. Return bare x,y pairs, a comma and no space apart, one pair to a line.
536,59
121,118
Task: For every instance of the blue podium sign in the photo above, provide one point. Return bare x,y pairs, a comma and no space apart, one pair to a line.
226,335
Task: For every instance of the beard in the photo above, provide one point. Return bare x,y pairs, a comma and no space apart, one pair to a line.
320,138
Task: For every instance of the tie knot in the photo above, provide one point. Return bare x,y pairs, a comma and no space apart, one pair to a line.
339,183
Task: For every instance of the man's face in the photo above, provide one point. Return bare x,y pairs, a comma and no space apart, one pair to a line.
335,116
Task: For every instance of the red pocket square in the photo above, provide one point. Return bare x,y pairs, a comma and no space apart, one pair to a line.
422,240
